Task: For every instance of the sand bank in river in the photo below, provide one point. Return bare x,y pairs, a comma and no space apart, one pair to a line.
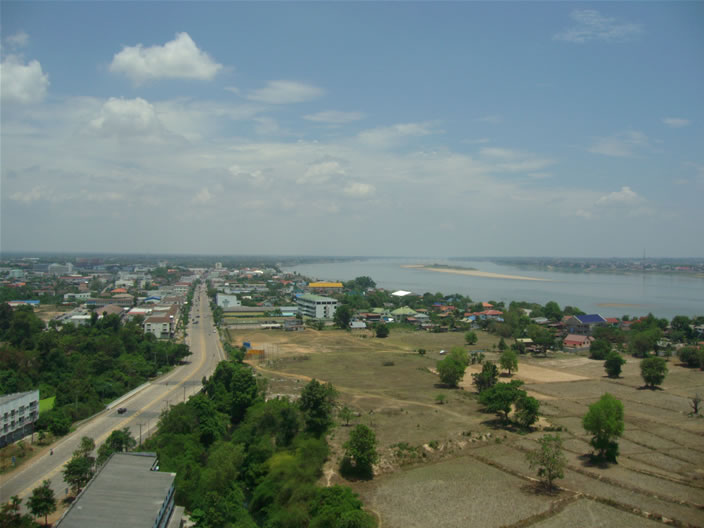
473,273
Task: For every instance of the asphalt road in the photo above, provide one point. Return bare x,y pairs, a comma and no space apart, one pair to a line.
143,408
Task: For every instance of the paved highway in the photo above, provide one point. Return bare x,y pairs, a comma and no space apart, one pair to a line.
143,408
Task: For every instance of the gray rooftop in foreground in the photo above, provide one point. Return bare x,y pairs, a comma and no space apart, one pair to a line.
124,493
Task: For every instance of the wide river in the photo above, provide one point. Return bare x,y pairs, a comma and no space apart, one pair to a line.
610,294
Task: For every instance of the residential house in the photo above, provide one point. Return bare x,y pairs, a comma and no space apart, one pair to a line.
584,324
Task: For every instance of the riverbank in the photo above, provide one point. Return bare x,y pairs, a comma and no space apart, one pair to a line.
473,273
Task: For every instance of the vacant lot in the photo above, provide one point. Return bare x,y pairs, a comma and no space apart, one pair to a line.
453,465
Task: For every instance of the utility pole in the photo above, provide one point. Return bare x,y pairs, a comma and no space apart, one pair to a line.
184,392
140,434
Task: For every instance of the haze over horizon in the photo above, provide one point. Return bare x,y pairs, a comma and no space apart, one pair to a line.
391,129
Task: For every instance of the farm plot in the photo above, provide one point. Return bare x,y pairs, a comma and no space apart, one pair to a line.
458,493
591,514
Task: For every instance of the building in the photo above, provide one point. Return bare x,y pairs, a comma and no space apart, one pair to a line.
162,326
316,306
325,286
225,301
60,269
577,341
18,412
584,324
129,491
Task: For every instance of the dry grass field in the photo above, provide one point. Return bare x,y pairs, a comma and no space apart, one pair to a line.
453,465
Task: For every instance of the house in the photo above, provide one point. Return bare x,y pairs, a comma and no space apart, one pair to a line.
358,325
162,326
403,312
577,341
584,324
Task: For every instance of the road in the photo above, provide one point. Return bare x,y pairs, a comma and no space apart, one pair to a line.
143,408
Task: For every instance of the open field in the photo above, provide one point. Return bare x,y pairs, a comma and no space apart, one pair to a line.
453,465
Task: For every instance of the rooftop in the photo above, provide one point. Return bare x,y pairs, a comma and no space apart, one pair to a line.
7,398
125,492
590,319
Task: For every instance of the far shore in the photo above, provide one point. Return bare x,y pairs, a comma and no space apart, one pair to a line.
473,273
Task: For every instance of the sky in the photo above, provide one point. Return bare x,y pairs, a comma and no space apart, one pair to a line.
378,129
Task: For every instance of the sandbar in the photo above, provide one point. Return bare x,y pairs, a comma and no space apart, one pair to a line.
474,273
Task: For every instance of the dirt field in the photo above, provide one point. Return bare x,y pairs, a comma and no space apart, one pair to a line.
453,465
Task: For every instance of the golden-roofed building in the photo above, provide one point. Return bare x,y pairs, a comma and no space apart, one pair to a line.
326,285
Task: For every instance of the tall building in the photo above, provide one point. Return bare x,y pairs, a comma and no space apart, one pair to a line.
316,306
18,412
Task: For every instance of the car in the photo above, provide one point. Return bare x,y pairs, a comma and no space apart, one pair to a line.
122,410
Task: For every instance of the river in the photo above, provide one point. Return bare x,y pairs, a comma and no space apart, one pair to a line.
609,294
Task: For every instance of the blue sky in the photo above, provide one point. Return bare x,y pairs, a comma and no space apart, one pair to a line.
429,129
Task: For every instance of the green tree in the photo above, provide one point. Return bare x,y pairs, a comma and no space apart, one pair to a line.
85,448
11,515
360,452
653,371
487,378
499,398
119,440
343,316
509,360
471,338
599,349
77,472
689,355
527,410
552,311
613,364
642,342
345,414
605,422
451,369
441,399
549,459
382,330
42,501
502,344
317,403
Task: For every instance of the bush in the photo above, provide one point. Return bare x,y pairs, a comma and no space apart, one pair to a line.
653,371
690,356
599,349
382,331
613,364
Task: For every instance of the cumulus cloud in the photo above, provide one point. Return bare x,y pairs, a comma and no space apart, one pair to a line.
177,59
626,196
508,160
383,137
675,122
22,83
592,25
623,144
334,117
285,92
204,196
18,40
359,190
321,172
128,118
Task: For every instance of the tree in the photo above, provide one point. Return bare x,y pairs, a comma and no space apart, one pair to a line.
604,421
343,316
509,360
552,311
487,378
599,349
696,400
360,452
642,342
42,501
441,399
382,330
117,442
502,344
317,402
689,356
613,364
653,371
452,368
345,414
527,410
549,459
78,472
499,398
11,515
85,448
471,338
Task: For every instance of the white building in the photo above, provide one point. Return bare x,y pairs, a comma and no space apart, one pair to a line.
60,269
162,326
316,306
18,412
82,296
225,301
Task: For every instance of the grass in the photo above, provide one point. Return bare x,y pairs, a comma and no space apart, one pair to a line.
425,478
46,404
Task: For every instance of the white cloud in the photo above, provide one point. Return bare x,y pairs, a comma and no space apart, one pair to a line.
623,144
508,160
359,190
626,196
334,117
592,25
127,118
285,92
266,126
18,40
27,197
321,172
22,83
203,197
491,119
384,137
177,59
675,122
